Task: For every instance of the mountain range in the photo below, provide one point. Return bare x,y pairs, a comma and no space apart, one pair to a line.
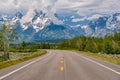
41,27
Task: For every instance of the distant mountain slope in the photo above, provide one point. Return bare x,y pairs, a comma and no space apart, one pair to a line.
40,27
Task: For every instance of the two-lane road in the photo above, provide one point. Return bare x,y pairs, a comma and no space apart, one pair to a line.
62,65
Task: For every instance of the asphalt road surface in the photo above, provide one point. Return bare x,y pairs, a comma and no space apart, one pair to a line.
62,65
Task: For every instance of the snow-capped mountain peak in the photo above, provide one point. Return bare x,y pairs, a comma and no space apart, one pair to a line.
38,21
42,26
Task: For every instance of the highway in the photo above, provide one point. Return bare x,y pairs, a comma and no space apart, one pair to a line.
62,65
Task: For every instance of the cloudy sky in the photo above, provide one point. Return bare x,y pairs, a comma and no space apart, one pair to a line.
81,7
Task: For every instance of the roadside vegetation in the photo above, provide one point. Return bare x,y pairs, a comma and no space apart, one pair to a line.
113,58
106,48
16,58
7,36
106,45
11,53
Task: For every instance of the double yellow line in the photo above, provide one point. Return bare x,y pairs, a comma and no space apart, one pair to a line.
62,63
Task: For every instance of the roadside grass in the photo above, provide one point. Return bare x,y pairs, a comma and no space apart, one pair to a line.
105,57
18,58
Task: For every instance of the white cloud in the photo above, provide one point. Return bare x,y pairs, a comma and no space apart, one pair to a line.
91,17
28,17
100,6
78,19
96,16
82,7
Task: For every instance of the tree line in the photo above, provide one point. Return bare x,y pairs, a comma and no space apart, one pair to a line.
29,47
110,44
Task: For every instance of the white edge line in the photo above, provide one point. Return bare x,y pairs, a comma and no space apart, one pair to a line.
100,64
2,77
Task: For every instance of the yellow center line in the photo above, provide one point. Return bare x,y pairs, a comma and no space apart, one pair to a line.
61,68
62,62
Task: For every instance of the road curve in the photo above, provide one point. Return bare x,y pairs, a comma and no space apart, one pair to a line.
62,65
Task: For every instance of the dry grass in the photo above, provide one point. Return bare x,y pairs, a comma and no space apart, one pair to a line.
19,60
